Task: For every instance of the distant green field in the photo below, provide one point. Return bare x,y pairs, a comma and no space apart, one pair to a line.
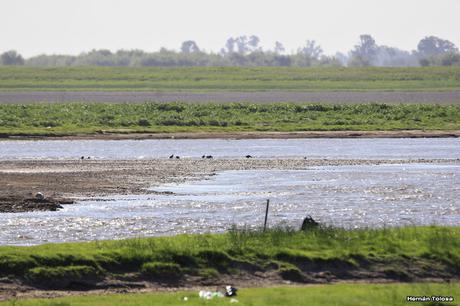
229,79
79,118
324,295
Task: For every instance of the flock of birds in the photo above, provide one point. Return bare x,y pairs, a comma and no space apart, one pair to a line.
178,157
175,156
204,156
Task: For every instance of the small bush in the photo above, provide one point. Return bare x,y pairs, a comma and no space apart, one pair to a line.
171,122
15,264
184,260
162,271
397,274
143,122
61,277
59,259
171,107
49,123
217,259
208,273
316,108
291,273
214,123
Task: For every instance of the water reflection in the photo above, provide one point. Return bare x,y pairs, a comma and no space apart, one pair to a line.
429,148
348,196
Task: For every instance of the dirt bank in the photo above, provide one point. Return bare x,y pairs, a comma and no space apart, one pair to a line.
25,202
105,135
70,179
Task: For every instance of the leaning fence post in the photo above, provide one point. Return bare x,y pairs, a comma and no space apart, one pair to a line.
266,215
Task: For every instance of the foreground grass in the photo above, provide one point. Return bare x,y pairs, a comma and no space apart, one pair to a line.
329,295
396,252
79,118
229,79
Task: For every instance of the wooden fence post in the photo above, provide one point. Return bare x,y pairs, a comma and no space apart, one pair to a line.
266,215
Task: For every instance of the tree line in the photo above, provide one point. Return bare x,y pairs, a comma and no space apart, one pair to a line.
246,51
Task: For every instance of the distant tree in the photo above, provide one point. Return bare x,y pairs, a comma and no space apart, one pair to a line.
229,46
282,60
311,50
394,57
253,43
365,52
51,60
424,62
129,57
189,46
246,51
358,61
242,45
342,58
237,59
102,52
11,58
450,59
367,46
279,48
134,52
102,57
330,61
433,46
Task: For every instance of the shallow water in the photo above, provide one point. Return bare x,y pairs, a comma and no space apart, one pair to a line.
348,196
386,148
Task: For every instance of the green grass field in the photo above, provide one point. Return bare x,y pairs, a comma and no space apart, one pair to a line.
229,79
398,254
325,295
78,118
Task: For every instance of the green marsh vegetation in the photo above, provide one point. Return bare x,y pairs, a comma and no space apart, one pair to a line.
203,79
398,254
88,118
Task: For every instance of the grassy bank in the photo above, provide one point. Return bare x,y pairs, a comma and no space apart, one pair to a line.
317,256
78,118
230,79
335,295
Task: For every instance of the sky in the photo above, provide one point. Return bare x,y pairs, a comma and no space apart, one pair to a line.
35,27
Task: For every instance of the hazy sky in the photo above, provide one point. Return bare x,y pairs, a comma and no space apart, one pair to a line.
71,26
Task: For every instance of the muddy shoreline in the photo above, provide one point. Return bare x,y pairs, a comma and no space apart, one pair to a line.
21,203
63,181
107,135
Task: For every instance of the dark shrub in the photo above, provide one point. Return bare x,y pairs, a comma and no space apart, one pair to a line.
162,271
61,277
143,122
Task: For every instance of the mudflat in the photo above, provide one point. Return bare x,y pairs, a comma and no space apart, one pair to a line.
62,181
105,135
